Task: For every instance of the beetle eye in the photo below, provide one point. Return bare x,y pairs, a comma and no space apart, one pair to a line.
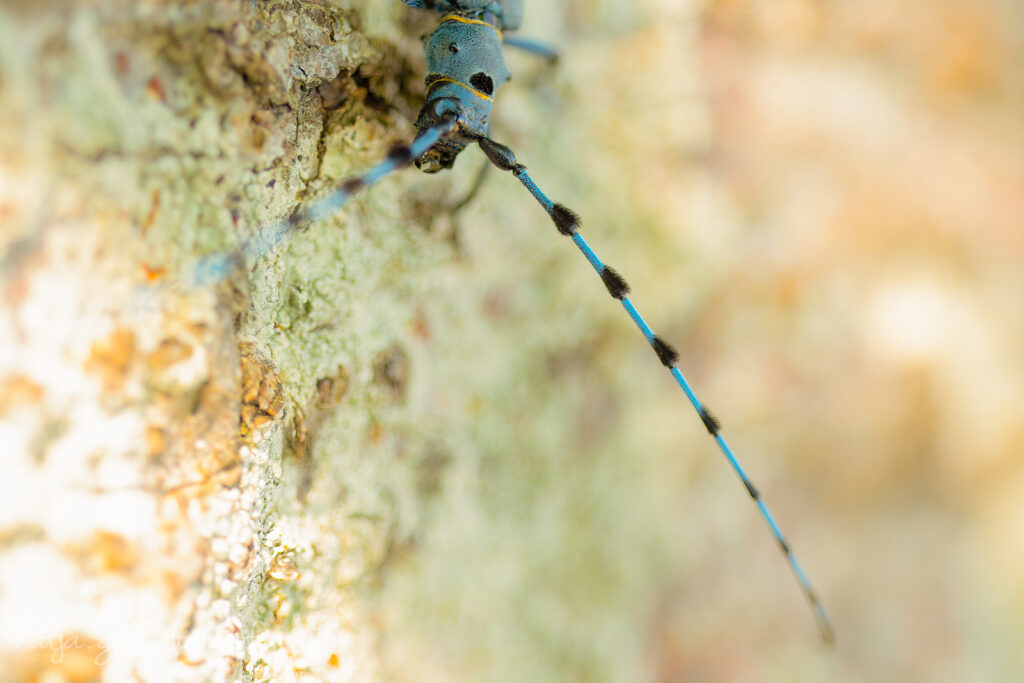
453,48
482,82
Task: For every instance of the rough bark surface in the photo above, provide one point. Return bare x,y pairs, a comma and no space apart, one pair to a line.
417,444
163,450
213,481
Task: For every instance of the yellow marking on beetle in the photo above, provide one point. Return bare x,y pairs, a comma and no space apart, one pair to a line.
463,20
445,79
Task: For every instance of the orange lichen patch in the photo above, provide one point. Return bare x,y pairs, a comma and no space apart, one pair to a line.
173,584
204,455
250,380
259,381
156,441
106,551
152,274
271,400
262,398
155,89
282,607
168,353
111,358
70,658
18,390
961,57
249,414
193,377
377,433
8,212
283,568
261,421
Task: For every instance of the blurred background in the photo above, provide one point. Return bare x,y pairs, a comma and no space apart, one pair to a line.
822,204
819,203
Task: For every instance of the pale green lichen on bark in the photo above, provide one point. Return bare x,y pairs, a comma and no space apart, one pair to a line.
355,463
165,132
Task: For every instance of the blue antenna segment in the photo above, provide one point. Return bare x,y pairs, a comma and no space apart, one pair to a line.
216,267
567,223
533,46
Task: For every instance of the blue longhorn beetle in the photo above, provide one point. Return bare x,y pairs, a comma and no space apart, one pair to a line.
465,68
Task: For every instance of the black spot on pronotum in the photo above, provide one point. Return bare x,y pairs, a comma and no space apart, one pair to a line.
710,421
615,283
565,219
482,82
666,354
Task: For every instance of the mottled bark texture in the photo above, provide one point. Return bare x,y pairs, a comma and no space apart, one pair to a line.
157,432
377,452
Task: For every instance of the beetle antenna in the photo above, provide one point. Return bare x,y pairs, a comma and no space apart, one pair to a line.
216,267
568,224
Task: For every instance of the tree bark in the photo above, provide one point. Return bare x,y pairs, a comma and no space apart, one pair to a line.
386,449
